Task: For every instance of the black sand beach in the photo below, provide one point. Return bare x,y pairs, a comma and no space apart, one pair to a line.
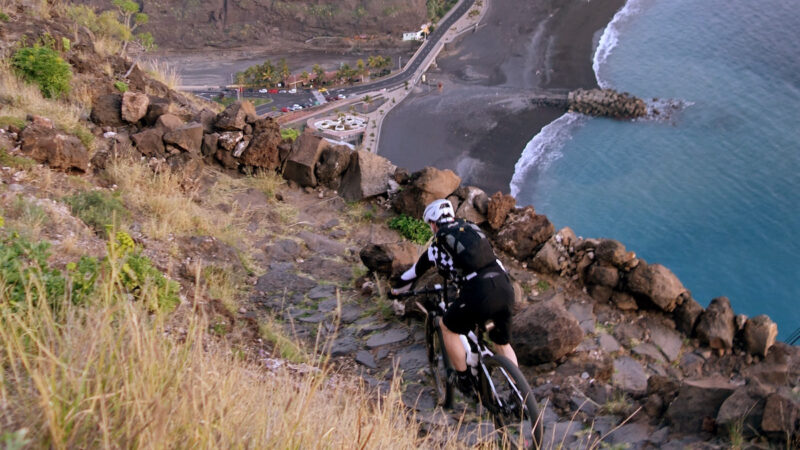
480,122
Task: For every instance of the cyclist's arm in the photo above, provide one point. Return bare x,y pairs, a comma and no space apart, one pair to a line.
418,269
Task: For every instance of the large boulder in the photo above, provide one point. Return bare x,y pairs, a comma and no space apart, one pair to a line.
524,233
425,186
58,150
263,149
602,275
655,284
229,139
544,332
389,259
612,252
169,122
206,117
187,165
106,110
332,164
629,376
234,118
367,175
158,106
188,138
744,409
303,159
546,259
686,315
210,142
698,400
780,415
497,209
759,334
150,142
716,326
134,106
467,209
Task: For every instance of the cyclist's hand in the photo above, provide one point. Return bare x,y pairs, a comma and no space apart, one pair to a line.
397,291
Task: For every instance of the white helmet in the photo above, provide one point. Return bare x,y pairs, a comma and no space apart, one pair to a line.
438,210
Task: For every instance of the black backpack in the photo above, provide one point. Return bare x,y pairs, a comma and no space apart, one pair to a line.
466,243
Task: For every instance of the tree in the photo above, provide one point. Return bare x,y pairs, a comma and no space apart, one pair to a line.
266,73
131,19
344,73
305,76
361,69
320,73
284,70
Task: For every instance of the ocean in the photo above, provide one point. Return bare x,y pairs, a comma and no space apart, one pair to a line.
711,191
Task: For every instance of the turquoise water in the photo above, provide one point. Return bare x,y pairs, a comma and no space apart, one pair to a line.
713,193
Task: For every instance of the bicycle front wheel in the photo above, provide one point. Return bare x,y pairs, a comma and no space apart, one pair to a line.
508,397
439,364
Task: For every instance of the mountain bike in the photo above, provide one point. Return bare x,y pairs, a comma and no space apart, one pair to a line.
500,387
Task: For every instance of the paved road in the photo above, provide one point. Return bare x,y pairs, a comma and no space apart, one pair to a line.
280,101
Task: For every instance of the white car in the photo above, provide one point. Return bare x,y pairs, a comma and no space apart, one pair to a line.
262,91
341,96
296,107
293,91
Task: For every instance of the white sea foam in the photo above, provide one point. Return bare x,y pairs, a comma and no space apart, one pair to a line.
545,147
610,38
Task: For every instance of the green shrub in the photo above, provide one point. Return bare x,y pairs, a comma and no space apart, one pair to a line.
121,86
97,209
4,17
412,229
43,66
5,121
142,279
289,133
17,162
24,271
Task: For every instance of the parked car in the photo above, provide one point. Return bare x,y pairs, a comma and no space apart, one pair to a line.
285,109
331,98
262,91
296,107
341,96
273,91
293,91
322,90
282,91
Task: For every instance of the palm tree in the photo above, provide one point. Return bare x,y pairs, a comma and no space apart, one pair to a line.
304,76
361,69
320,73
284,70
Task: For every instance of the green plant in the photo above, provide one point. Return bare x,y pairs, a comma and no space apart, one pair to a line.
66,44
141,279
542,285
289,133
98,209
4,17
412,229
43,67
121,86
5,121
15,161
24,271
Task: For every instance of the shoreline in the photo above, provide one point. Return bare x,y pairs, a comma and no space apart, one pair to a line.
477,125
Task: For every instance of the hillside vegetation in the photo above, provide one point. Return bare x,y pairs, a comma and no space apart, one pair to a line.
191,24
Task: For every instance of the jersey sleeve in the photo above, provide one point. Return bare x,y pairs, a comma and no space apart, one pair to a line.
420,267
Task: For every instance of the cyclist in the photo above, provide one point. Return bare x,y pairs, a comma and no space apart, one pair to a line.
462,254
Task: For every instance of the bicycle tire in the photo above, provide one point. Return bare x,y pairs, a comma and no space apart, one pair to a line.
440,365
516,430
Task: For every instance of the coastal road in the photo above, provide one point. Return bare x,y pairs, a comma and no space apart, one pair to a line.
409,72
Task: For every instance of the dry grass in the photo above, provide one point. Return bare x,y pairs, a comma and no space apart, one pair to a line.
267,181
19,99
163,204
163,72
105,376
106,46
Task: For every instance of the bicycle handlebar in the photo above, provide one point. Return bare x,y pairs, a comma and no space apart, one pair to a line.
435,289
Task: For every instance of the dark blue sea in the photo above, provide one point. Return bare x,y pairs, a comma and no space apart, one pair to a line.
713,190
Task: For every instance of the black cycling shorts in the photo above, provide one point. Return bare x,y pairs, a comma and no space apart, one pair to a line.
487,296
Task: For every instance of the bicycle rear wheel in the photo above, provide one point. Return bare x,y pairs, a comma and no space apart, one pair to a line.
439,364
510,401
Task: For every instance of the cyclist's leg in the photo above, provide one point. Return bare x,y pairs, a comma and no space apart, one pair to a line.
455,350
507,351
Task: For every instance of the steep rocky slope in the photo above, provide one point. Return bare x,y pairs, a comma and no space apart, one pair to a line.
192,24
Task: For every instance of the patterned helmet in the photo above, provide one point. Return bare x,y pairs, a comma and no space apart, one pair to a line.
438,210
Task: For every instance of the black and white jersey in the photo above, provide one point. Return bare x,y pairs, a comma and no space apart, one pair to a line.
459,249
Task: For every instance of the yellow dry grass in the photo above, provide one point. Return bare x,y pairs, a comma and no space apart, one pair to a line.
110,375
164,205
163,72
